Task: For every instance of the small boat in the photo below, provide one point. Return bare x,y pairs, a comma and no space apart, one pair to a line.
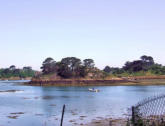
93,90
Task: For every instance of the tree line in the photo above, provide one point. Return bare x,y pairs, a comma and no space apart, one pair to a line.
69,67
12,71
144,64
72,67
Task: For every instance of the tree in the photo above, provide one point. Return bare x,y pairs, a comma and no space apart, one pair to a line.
6,73
107,69
158,69
113,70
144,58
137,65
70,66
134,66
27,68
48,66
13,72
64,71
27,72
89,63
71,62
144,64
163,70
148,60
127,66
16,73
82,71
12,67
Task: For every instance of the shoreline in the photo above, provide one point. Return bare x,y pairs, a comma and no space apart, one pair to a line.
75,82
129,81
15,79
100,121
107,122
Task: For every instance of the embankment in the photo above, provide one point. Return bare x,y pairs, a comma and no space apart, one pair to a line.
74,82
141,80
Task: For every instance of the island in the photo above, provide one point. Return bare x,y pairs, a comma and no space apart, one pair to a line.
71,71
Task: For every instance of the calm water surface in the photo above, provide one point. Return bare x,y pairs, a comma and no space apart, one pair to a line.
42,106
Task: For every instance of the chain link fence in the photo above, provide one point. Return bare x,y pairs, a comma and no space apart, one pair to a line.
148,112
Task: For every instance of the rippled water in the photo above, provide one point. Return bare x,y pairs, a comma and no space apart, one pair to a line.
42,106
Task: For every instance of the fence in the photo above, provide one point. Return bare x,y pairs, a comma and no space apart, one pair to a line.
149,112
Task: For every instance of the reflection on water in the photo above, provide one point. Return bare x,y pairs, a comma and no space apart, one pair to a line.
41,106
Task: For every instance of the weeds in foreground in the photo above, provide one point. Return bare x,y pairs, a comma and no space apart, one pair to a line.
144,122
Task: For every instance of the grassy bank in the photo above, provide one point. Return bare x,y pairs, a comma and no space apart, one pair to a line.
16,78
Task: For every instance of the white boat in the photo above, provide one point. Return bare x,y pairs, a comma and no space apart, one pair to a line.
93,90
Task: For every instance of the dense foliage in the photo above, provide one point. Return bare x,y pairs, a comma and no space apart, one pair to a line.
142,66
12,71
72,67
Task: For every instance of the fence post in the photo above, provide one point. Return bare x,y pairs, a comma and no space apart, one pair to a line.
133,115
63,110
110,123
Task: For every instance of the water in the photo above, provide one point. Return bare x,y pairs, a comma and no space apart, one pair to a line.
42,106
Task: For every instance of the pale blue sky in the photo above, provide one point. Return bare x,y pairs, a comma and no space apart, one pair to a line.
108,31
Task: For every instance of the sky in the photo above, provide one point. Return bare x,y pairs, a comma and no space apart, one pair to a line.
109,31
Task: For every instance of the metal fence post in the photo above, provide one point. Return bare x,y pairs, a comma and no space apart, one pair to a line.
63,110
133,115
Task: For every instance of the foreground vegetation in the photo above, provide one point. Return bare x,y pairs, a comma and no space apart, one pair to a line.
72,67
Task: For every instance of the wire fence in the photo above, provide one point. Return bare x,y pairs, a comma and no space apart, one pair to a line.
149,112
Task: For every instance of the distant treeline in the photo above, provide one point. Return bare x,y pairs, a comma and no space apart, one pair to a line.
72,67
144,66
12,71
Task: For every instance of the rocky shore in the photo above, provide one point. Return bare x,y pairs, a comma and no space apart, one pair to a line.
141,80
73,82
